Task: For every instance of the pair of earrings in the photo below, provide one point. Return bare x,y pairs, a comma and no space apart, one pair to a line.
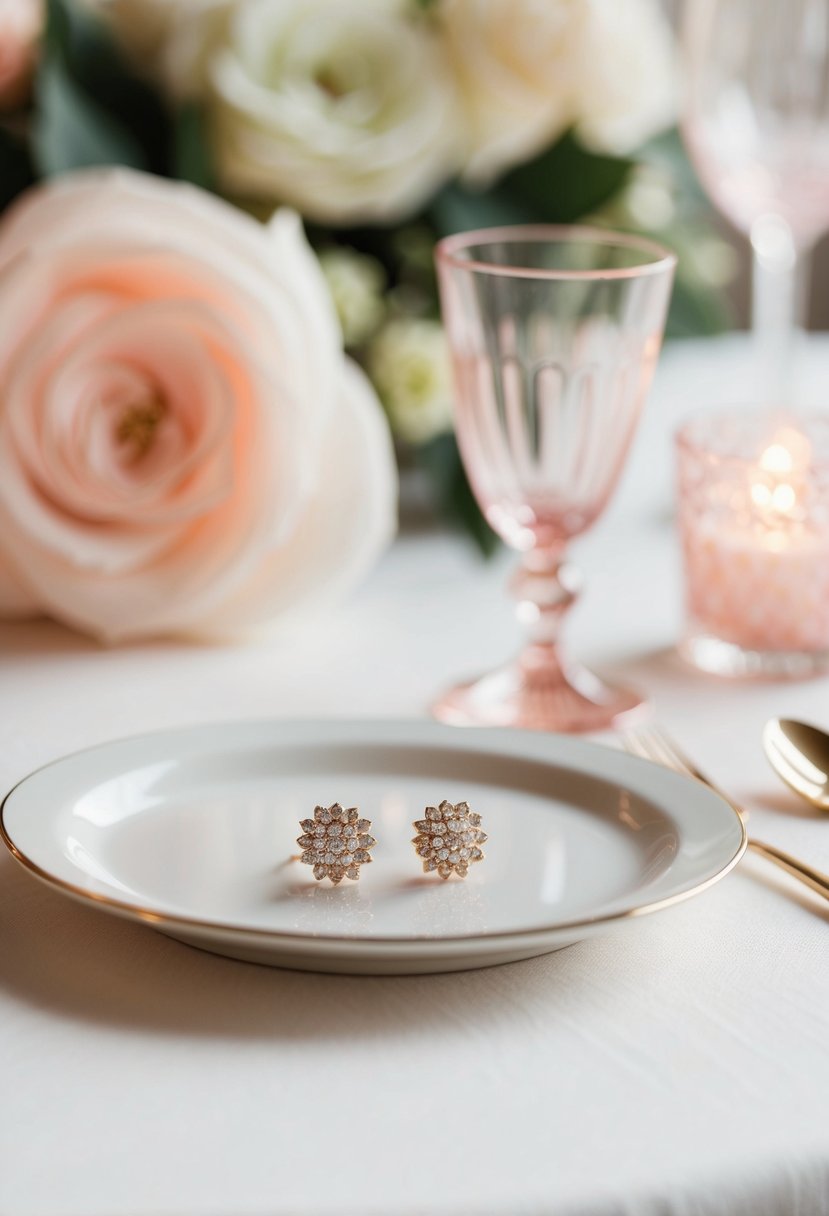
336,842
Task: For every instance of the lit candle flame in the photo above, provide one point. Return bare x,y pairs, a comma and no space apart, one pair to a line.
777,459
782,462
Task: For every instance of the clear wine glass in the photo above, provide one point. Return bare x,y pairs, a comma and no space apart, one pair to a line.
756,125
554,334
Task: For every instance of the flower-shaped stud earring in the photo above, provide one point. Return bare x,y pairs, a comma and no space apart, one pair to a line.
336,842
449,838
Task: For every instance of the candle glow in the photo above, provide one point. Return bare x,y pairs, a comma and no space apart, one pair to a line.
756,547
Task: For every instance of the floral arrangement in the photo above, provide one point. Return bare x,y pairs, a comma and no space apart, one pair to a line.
383,124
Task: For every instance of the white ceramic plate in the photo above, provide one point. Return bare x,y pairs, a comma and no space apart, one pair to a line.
191,831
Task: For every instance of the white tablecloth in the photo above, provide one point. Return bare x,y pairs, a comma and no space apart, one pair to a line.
680,1068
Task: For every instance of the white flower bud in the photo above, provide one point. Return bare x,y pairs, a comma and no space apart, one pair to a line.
356,282
409,365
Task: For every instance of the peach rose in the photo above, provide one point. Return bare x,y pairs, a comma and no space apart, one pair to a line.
20,25
184,447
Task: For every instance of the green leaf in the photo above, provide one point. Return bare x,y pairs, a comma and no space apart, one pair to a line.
192,161
459,209
567,181
561,186
696,311
57,33
71,131
92,109
441,461
668,152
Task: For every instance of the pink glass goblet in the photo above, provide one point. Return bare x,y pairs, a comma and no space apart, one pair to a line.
756,124
554,335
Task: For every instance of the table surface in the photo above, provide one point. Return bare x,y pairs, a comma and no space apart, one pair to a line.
681,1067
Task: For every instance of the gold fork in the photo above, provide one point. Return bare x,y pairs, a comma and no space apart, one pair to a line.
652,743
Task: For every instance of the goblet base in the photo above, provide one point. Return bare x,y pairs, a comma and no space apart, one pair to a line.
547,698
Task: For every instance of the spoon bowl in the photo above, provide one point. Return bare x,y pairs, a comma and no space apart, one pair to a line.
799,754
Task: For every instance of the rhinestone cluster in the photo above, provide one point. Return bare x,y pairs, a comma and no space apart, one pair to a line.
449,839
336,842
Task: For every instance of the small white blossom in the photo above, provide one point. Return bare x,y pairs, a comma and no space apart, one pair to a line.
648,199
356,282
713,261
409,365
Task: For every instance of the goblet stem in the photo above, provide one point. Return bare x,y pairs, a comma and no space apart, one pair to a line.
542,689
779,299
544,586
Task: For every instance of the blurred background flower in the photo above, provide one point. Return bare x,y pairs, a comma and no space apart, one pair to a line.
20,26
357,283
344,108
511,62
528,71
409,364
624,73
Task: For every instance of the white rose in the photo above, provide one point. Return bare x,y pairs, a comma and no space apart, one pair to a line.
408,362
345,109
511,59
183,446
529,69
625,73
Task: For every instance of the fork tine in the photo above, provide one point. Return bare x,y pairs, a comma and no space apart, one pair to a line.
680,759
636,742
633,742
652,743
649,743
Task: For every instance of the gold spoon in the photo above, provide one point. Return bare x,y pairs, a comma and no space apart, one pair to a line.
800,755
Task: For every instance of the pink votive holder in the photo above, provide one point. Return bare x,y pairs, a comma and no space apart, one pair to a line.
754,525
